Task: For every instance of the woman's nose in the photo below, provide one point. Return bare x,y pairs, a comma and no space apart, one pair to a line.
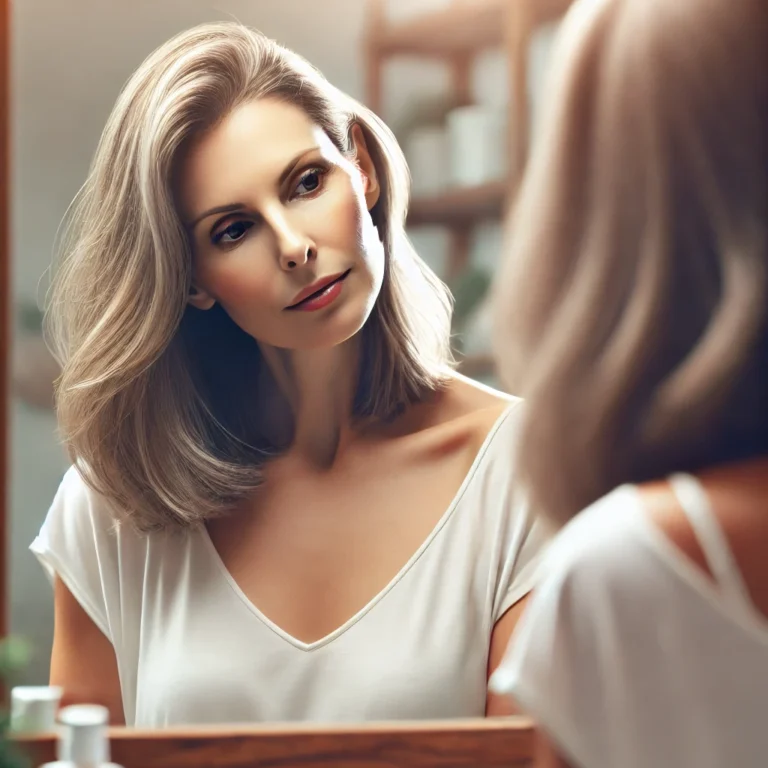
294,247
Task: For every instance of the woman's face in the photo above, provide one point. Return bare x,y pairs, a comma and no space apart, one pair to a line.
279,224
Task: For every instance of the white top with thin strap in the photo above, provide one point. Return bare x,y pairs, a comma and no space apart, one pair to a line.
191,648
630,655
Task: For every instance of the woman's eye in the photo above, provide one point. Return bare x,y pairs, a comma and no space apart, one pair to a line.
309,182
234,232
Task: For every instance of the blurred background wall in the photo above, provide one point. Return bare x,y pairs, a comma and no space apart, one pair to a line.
69,61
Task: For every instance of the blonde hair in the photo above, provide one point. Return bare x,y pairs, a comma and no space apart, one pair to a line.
155,399
632,308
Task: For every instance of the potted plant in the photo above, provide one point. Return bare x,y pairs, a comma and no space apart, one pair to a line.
14,655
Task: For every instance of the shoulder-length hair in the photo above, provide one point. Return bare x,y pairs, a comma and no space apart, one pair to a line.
156,399
631,312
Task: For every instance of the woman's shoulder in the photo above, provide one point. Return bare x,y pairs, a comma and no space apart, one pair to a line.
480,409
463,415
77,496
472,420
603,549
80,519
470,396
500,522
488,422
77,503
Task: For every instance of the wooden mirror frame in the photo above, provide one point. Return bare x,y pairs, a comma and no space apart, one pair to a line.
493,743
5,302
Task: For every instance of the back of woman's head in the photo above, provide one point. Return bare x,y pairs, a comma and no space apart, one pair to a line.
632,310
157,399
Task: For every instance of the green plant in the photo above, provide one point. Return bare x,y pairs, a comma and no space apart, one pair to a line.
14,656
469,290
30,318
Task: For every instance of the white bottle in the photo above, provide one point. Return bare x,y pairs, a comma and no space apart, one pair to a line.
33,708
83,738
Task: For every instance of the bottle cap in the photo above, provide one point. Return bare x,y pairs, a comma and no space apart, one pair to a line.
83,739
33,708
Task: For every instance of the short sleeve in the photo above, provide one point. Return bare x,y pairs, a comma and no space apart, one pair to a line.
519,537
546,670
563,666
78,543
522,564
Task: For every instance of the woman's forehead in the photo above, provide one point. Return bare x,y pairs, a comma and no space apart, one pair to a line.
252,145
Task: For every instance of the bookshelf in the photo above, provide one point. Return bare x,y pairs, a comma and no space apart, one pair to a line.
455,35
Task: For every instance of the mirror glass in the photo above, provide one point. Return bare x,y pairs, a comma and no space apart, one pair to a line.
69,63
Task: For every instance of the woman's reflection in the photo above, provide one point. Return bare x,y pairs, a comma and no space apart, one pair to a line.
316,517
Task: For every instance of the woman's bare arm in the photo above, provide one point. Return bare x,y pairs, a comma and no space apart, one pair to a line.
83,660
502,706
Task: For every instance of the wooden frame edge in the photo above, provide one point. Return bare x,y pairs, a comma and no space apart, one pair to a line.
492,743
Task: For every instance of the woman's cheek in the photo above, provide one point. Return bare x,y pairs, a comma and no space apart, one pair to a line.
240,282
337,220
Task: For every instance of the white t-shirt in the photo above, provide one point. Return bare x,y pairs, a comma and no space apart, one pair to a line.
629,655
191,648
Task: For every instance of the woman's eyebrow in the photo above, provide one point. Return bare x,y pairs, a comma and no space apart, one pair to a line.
232,207
288,170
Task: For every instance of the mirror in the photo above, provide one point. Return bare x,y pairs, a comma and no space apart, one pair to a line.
439,71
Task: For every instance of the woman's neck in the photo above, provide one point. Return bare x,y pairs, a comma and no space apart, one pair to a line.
319,386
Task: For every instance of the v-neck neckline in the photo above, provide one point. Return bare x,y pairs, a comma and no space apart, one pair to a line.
379,596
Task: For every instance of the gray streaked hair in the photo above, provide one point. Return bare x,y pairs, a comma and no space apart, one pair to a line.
632,313
155,399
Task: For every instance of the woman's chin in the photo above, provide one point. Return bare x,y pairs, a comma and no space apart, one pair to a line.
333,335
332,329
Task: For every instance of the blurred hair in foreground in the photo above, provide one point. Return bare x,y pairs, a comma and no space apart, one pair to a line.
631,311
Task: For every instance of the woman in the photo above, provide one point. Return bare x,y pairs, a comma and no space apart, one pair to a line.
315,515
633,316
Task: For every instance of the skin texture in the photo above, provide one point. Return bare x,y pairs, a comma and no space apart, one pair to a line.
296,214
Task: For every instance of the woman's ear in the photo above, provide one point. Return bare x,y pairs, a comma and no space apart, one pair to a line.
364,162
199,298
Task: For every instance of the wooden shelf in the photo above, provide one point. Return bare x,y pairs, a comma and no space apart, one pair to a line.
460,206
463,28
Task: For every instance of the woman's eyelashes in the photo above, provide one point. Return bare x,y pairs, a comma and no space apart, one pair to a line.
232,233
311,180
309,184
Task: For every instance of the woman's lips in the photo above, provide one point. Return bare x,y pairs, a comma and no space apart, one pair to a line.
320,294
